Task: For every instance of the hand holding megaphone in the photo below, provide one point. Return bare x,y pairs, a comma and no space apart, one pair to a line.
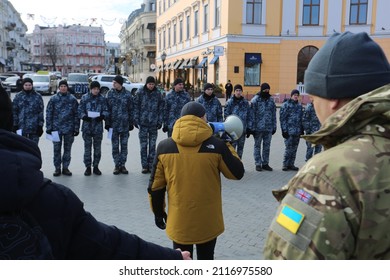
232,126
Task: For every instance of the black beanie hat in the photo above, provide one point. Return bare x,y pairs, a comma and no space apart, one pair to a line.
150,79
207,86
94,84
27,80
347,66
238,86
295,91
264,86
6,120
119,79
193,108
63,82
178,81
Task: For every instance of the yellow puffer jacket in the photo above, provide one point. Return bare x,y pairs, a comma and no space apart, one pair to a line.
188,168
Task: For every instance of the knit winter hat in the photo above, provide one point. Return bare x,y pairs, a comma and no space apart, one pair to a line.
295,91
193,108
150,79
118,79
27,80
347,66
207,86
238,86
94,84
264,86
178,81
63,82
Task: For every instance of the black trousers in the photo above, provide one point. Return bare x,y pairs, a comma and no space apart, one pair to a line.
204,251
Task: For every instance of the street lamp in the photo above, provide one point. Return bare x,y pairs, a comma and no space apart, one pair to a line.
163,57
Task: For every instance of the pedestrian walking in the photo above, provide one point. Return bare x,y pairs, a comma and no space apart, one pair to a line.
228,90
211,103
311,124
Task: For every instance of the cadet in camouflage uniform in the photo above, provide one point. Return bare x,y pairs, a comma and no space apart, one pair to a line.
120,109
311,124
211,103
264,126
174,102
27,109
338,205
62,116
239,106
291,113
92,127
148,112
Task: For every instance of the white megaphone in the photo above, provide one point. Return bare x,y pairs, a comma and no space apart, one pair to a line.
232,125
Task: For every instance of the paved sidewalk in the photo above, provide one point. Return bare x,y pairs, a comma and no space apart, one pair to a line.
123,201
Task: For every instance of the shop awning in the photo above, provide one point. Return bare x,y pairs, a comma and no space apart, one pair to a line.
202,63
214,60
185,63
253,58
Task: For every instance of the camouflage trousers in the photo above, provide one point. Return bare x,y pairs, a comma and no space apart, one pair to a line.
65,158
94,141
147,139
34,137
119,142
290,153
262,158
310,149
238,145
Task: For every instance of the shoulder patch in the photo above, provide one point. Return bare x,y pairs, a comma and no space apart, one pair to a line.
290,218
303,195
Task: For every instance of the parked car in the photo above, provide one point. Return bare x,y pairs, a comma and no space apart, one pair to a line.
78,84
105,81
44,84
10,84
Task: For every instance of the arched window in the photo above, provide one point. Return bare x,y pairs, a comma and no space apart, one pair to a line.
304,57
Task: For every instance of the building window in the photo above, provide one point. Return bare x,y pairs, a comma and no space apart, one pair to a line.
206,18
164,7
181,31
164,39
311,12
253,11
217,17
188,27
159,8
174,34
196,22
304,57
169,37
252,69
358,14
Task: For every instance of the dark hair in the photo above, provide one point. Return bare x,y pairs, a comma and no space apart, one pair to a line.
6,120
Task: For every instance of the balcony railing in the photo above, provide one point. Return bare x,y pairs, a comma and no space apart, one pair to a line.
149,41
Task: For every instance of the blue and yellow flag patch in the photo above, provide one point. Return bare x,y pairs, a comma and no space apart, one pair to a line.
290,218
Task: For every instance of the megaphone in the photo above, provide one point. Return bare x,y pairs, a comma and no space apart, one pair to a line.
232,125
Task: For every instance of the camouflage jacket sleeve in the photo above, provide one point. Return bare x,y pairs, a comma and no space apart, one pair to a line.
313,221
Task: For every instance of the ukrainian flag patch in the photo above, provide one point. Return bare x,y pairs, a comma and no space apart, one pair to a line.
290,219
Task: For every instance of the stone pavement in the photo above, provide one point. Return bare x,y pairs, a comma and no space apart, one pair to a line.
122,200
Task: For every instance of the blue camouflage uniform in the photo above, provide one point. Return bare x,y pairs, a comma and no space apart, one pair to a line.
174,102
241,108
263,126
120,109
148,116
311,124
62,116
27,109
213,107
291,113
92,130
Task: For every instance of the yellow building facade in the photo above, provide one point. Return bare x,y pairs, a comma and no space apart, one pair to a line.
254,41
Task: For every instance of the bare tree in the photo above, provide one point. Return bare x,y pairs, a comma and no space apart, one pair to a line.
53,50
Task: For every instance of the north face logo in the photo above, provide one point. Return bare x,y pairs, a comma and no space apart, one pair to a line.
210,146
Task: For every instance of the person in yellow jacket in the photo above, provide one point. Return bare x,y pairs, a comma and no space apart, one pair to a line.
187,168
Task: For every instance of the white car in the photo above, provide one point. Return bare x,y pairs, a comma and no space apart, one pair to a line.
44,84
105,82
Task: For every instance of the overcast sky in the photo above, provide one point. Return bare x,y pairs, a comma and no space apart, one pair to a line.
110,14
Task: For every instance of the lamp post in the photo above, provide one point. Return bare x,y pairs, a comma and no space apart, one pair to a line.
193,64
163,57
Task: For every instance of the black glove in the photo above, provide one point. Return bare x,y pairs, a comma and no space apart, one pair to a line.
107,127
48,131
39,131
161,221
136,125
302,131
159,126
165,128
226,137
273,131
87,119
75,133
248,133
100,118
131,127
15,128
285,134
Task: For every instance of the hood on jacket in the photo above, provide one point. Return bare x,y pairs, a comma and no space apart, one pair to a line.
21,178
367,114
191,131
